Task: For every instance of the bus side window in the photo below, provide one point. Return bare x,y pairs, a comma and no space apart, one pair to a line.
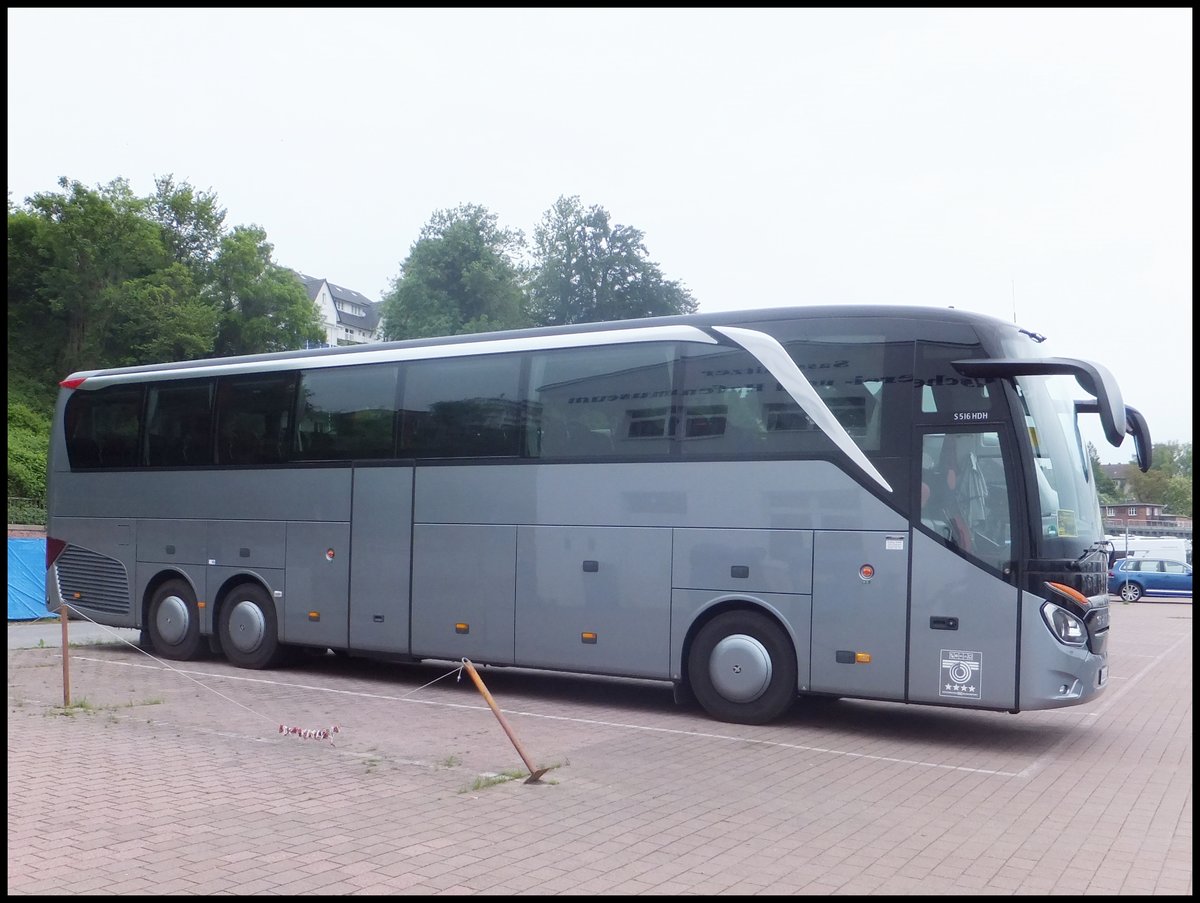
178,418
241,447
964,494
254,418
104,426
84,451
603,401
463,408
941,510
589,438
197,446
163,451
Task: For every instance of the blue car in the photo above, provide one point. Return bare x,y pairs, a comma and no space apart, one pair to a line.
1132,578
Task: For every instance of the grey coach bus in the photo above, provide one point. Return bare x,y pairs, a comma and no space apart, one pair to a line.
886,503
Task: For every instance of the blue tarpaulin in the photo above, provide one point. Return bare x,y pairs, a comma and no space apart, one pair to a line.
27,580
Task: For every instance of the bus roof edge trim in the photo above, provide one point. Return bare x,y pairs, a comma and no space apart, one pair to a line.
97,379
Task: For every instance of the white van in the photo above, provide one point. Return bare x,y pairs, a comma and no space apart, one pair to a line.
1171,548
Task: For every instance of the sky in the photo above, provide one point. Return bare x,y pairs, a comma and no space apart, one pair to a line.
1030,164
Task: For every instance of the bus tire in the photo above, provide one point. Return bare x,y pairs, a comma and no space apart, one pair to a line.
173,622
742,668
249,629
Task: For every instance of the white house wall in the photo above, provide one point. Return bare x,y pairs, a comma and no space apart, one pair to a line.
328,314
335,332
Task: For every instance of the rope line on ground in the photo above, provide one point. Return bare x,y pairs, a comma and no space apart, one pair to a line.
326,733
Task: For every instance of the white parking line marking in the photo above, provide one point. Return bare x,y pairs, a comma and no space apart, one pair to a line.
1109,700
585,721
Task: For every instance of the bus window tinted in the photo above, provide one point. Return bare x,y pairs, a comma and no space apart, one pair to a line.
730,404
346,413
949,397
254,415
102,427
179,424
850,377
611,400
462,408
733,405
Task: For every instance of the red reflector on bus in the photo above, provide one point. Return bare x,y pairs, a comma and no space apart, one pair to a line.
54,548
73,383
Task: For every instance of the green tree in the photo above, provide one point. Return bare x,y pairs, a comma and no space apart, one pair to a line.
1169,479
587,270
263,306
28,436
93,243
163,317
461,276
1106,486
35,333
192,223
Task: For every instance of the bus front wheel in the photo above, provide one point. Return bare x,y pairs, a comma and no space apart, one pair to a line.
742,668
174,622
249,628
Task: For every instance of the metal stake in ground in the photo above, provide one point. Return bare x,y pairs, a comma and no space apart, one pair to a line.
62,614
534,773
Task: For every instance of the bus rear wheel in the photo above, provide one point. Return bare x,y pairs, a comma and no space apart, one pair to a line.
742,668
249,629
174,622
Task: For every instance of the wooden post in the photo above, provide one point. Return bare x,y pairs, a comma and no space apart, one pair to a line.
534,773
62,615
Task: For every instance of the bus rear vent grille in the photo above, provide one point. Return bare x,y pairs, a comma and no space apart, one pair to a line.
100,582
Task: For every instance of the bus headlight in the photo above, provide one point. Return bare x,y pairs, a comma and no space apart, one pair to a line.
1064,625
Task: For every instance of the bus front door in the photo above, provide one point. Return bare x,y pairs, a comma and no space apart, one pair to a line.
963,605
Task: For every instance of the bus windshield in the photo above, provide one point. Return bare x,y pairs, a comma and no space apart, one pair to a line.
1069,510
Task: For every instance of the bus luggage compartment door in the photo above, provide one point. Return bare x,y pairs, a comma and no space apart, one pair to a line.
859,616
463,591
594,599
316,607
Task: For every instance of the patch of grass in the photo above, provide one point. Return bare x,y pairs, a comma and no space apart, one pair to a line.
77,706
516,774
155,700
450,761
88,708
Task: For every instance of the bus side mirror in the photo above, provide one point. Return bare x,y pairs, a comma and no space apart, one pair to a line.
1136,426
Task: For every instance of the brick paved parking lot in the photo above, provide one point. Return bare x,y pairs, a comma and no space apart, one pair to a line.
179,782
